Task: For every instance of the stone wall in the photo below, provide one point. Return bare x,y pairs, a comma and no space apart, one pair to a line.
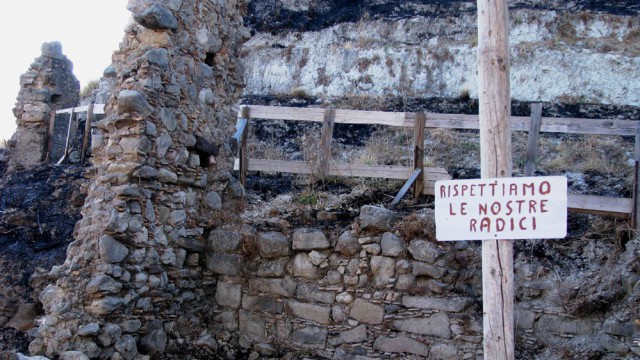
135,272
48,85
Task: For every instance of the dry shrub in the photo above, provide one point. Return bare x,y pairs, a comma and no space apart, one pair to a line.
584,153
248,246
417,226
566,30
387,146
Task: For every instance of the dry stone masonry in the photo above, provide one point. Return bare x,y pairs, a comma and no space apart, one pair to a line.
48,85
138,274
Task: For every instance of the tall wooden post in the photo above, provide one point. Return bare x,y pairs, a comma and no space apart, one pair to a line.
495,154
418,152
87,131
244,157
325,142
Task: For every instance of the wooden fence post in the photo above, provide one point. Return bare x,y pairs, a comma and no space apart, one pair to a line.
418,152
244,157
636,177
532,141
52,121
325,141
87,132
66,144
496,161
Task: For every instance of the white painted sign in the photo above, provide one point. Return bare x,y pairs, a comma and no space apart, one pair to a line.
503,208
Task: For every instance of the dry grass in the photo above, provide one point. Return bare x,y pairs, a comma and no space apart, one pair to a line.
416,226
248,247
584,153
386,146
88,89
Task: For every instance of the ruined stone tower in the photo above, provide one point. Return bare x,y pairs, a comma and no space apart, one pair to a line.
48,85
135,278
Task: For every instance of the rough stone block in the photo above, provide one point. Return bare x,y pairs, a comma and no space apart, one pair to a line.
132,101
283,287
434,303
154,343
251,324
262,304
366,312
317,313
226,264
391,244
102,283
551,324
274,268
228,294
348,244
111,251
426,251
309,239
308,292
444,352
375,218
223,241
400,344
273,244
104,305
435,325
312,335
303,267
383,269
156,17
127,347
355,335
405,282
422,269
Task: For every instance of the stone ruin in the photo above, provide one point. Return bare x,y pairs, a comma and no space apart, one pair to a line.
136,270
48,85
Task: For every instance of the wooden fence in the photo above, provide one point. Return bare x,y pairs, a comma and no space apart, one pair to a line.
70,126
425,178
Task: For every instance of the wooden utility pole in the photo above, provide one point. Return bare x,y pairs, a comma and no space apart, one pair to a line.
495,154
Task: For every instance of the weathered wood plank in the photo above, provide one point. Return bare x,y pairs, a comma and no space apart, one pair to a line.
418,153
325,140
243,154
98,109
413,178
431,175
635,221
532,141
87,132
548,124
52,120
341,116
236,139
448,121
600,205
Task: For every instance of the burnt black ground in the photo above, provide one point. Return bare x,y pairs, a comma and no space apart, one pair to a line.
270,16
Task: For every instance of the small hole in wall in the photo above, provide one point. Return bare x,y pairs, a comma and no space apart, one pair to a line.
209,59
55,98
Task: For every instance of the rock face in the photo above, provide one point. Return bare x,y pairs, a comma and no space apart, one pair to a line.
399,48
48,85
141,248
